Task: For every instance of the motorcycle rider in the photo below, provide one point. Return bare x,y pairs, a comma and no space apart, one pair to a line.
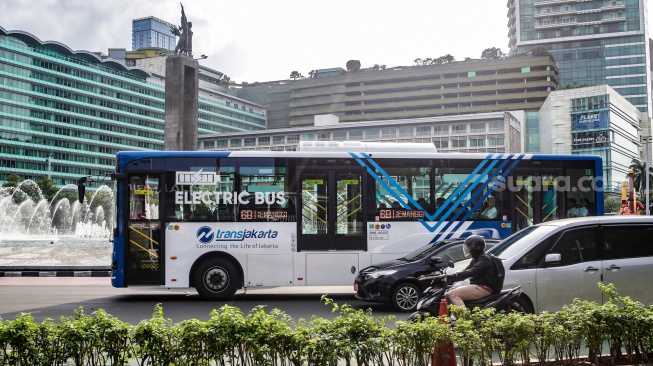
483,276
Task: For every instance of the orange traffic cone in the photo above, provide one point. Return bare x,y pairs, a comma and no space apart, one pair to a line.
444,353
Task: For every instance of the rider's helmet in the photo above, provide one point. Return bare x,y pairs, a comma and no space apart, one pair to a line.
474,245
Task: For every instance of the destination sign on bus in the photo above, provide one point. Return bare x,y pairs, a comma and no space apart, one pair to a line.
243,198
400,214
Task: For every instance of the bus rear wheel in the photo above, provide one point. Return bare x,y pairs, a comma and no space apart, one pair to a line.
216,279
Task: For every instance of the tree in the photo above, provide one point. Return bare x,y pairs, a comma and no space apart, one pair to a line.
12,180
492,53
48,188
611,205
312,74
378,67
296,75
447,59
540,51
353,65
639,176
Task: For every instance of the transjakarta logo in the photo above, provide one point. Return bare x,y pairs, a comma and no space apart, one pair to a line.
206,235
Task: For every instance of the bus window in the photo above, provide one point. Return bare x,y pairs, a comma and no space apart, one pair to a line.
403,190
266,194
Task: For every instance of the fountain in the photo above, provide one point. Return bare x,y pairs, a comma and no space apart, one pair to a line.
28,218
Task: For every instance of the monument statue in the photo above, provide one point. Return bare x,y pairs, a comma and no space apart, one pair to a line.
185,34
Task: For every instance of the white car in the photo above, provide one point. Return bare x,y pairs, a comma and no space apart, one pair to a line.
558,261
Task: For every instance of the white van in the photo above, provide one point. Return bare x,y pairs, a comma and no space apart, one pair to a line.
558,261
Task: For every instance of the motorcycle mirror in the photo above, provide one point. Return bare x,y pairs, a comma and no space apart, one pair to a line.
451,265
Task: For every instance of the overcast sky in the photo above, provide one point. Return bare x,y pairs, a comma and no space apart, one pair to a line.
264,40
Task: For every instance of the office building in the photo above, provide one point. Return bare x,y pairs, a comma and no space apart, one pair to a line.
594,42
497,132
400,93
78,108
151,32
592,120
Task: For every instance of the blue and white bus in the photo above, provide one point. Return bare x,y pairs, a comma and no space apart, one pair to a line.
220,221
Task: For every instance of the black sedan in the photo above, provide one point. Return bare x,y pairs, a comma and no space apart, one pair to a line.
400,282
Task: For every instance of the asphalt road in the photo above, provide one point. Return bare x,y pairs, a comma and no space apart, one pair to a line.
56,297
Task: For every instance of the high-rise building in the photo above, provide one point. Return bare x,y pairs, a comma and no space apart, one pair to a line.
66,113
152,32
407,92
594,42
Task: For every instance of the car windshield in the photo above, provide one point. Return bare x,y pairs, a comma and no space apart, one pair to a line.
423,252
520,240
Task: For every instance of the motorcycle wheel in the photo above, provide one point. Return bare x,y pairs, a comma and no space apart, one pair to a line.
519,305
417,316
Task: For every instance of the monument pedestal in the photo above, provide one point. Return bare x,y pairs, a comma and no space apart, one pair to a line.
181,98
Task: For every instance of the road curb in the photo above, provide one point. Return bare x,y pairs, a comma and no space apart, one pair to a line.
46,271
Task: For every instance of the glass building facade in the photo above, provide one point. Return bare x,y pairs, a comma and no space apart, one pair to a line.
152,32
594,42
79,110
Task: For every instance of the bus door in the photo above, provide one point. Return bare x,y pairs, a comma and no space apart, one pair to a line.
535,199
143,241
331,202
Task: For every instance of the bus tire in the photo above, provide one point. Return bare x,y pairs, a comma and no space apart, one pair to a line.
216,279
405,297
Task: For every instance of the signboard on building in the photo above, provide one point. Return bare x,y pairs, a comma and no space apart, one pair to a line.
590,139
590,121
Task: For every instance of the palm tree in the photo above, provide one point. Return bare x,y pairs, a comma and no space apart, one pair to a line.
639,176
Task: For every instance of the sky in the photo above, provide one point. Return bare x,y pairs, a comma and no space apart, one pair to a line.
265,40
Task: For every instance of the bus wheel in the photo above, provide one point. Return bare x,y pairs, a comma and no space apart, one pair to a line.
405,297
215,279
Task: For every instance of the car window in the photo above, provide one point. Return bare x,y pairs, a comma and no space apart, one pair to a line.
520,241
534,257
576,246
422,252
453,253
627,241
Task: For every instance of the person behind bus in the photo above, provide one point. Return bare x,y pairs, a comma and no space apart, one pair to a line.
483,277
583,209
490,212
572,210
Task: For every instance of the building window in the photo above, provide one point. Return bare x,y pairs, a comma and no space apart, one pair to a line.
525,69
324,136
292,139
372,134
476,142
222,143
458,129
405,132
496,126
441,130
278,140
423,130
235,142
339,135
477,127
250,141
471,74
389,133
308,137
495,141
356,135
264,141
458,143
442,144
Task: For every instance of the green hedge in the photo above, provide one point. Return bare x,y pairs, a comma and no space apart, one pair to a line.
353,337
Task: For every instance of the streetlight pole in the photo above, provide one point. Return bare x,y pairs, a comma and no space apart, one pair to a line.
647,140
49,161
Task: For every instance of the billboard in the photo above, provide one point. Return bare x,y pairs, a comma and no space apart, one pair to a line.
590,139
590,121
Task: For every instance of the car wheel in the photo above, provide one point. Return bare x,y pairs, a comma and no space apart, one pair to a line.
216,279
405,297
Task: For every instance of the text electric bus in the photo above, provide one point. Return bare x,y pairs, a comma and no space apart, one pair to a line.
220,221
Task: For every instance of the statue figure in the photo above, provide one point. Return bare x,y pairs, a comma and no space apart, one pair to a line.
185,34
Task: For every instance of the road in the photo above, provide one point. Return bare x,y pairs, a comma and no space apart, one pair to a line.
56,297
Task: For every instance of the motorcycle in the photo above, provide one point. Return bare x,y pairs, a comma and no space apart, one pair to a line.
429,305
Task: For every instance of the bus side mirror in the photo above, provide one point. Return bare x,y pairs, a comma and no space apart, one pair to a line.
81,189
